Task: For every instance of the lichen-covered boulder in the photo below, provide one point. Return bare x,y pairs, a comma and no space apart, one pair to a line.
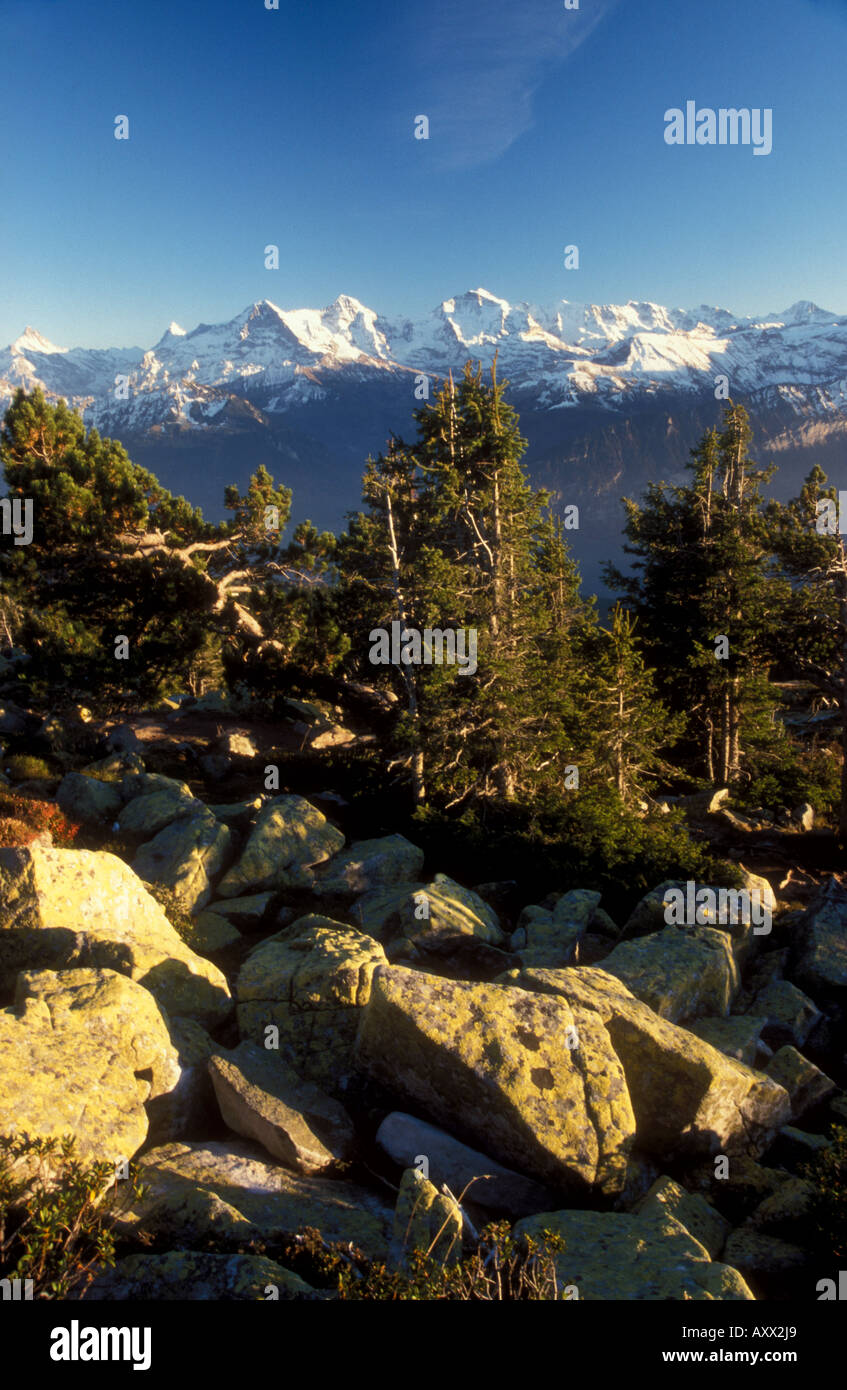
738,1036
553,936
613,1255
533,1079
227,1188
690,1209
311,982
87,800
83,1050
211,932
442,908
681,972
369,864
805,1083
185,856
687,1097
148,814
770,1264
63,907
190,1275
261,1097
289,837
822,964
789,1014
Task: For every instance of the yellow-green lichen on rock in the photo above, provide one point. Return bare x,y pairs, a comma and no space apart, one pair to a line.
618,1256
228,1188
290,834
77,1048
426,1220
310,981
196,1275
687,1096
64,907
494,1066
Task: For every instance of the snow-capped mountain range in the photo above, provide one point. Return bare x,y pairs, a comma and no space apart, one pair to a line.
610,396
566,353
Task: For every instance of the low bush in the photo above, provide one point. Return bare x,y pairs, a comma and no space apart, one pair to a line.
35,817
24,767
500,1268
55,1225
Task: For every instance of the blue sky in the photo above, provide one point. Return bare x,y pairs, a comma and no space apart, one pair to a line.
295,127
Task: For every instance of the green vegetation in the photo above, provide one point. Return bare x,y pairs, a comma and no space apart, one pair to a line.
500,1268
828,1173
22,767
555,750
55,1214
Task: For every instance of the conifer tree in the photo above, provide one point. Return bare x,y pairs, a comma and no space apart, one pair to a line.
628,725
810,545
455,537
707,596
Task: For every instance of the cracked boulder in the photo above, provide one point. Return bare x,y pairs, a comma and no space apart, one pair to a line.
688,1097
310,983
534,1080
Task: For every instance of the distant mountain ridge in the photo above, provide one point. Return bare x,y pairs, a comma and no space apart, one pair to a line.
610,396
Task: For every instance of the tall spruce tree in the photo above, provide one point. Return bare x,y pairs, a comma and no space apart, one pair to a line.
707,596
628,726
456,538
810,545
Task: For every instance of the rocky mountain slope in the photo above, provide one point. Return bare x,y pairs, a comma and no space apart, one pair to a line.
346,1038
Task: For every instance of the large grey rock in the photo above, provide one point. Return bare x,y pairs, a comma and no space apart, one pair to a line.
261,1097
470,1175
612,1256
227,1188
289,837
186,856
680,972
495,1065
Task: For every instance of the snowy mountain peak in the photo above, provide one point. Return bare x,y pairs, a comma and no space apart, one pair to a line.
805,311
33,341
174,330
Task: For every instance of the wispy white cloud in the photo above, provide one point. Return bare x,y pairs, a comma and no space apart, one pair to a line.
482,62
